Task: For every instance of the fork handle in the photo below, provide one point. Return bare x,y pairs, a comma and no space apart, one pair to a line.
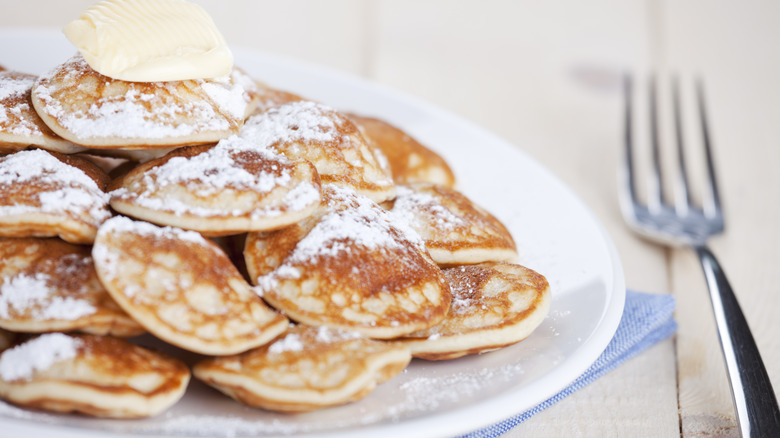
758,414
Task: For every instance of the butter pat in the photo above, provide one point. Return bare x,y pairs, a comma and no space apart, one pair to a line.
150,40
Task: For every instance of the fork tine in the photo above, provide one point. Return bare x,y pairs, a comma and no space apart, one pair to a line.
682,192
655,195
711,203
628,183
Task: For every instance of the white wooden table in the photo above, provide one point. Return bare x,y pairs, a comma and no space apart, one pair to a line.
545,76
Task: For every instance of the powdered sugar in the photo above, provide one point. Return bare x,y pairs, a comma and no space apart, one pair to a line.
15,111
121,224
63,188
354,220
34,297
22,361
327,335
219,168
301,121
419,209
231,164
324,335
138,114
290,342
229,96
15,86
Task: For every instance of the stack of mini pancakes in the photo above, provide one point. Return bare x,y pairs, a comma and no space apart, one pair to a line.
306,255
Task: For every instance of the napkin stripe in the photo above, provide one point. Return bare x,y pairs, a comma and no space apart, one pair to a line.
647,319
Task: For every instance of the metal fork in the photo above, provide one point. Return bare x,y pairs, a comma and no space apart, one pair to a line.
684,223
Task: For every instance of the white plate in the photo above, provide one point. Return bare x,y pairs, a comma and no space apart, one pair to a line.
556,235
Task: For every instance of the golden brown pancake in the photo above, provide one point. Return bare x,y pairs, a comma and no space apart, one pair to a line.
494,304
93,110
93,375
229,188
46,194
455,230
349,267
20,125
182,288
409,161
304,369
51,285
319,134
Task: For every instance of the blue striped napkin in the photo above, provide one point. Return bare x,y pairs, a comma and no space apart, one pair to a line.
647,319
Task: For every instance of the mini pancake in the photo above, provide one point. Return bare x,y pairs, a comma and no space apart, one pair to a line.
49,285
319,134
93,375
20,125
304,369
349,267
45,194
494,304
93,110
182,288
229,188
409,161
455,230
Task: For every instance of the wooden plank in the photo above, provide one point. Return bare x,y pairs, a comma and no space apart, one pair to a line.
726,42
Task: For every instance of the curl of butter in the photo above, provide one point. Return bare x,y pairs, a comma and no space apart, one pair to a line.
150,41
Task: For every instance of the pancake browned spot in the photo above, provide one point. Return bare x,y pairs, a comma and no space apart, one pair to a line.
319,134
46,194
93,110
349,267
20,125
409,161
455,230
494,304
51,285
93,375
229,188
304,369
182,288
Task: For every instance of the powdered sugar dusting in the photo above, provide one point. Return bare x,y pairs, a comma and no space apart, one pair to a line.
108,260
22,361
289,342
354,220
14,93
35,296
128,115
14,86
327,335
301,121
231,164
324,335
229,95
62,187
412,206
121,224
